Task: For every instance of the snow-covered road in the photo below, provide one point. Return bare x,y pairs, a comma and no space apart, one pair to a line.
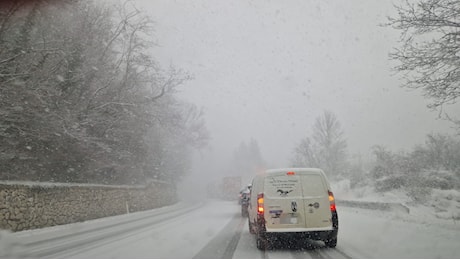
215,229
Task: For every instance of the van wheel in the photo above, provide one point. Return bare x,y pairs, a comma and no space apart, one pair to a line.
251,228
261,241
332,242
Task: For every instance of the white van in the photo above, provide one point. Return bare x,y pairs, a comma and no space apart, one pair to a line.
296,203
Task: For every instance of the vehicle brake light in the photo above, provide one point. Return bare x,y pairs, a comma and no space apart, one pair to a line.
260,204
332,201
290,173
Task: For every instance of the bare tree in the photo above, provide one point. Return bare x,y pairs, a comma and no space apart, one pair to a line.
326,148
440,152
247,159
429,58
305,154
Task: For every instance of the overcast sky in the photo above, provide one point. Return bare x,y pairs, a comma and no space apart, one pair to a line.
267,69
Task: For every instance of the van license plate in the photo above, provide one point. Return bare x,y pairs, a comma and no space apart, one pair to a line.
294,220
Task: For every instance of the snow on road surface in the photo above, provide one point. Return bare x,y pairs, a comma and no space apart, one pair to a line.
181,237
215,229
375,234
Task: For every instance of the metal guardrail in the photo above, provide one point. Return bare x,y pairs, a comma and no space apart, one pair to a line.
384,206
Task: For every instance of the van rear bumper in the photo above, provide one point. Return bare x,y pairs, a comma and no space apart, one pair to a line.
290,230
315,235
325,233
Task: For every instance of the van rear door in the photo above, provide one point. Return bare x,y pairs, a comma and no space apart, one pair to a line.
316,201
283,201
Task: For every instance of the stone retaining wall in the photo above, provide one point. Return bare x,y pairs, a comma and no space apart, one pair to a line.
30,206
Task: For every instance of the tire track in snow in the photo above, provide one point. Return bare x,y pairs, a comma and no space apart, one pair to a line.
55,246
342,253
313,253
223,245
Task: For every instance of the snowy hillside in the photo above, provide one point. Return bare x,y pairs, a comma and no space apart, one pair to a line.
436,207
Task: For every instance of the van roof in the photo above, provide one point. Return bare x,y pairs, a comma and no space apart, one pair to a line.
297,170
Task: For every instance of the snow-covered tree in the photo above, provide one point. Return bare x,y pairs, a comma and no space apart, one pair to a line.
81,101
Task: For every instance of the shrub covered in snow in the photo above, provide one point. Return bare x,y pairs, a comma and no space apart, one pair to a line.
427,177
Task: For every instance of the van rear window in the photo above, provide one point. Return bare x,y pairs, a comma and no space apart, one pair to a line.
294,186
283,186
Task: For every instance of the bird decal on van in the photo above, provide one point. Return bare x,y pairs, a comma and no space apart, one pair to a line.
283,193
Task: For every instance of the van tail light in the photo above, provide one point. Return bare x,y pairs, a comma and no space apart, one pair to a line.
260,204
332,201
